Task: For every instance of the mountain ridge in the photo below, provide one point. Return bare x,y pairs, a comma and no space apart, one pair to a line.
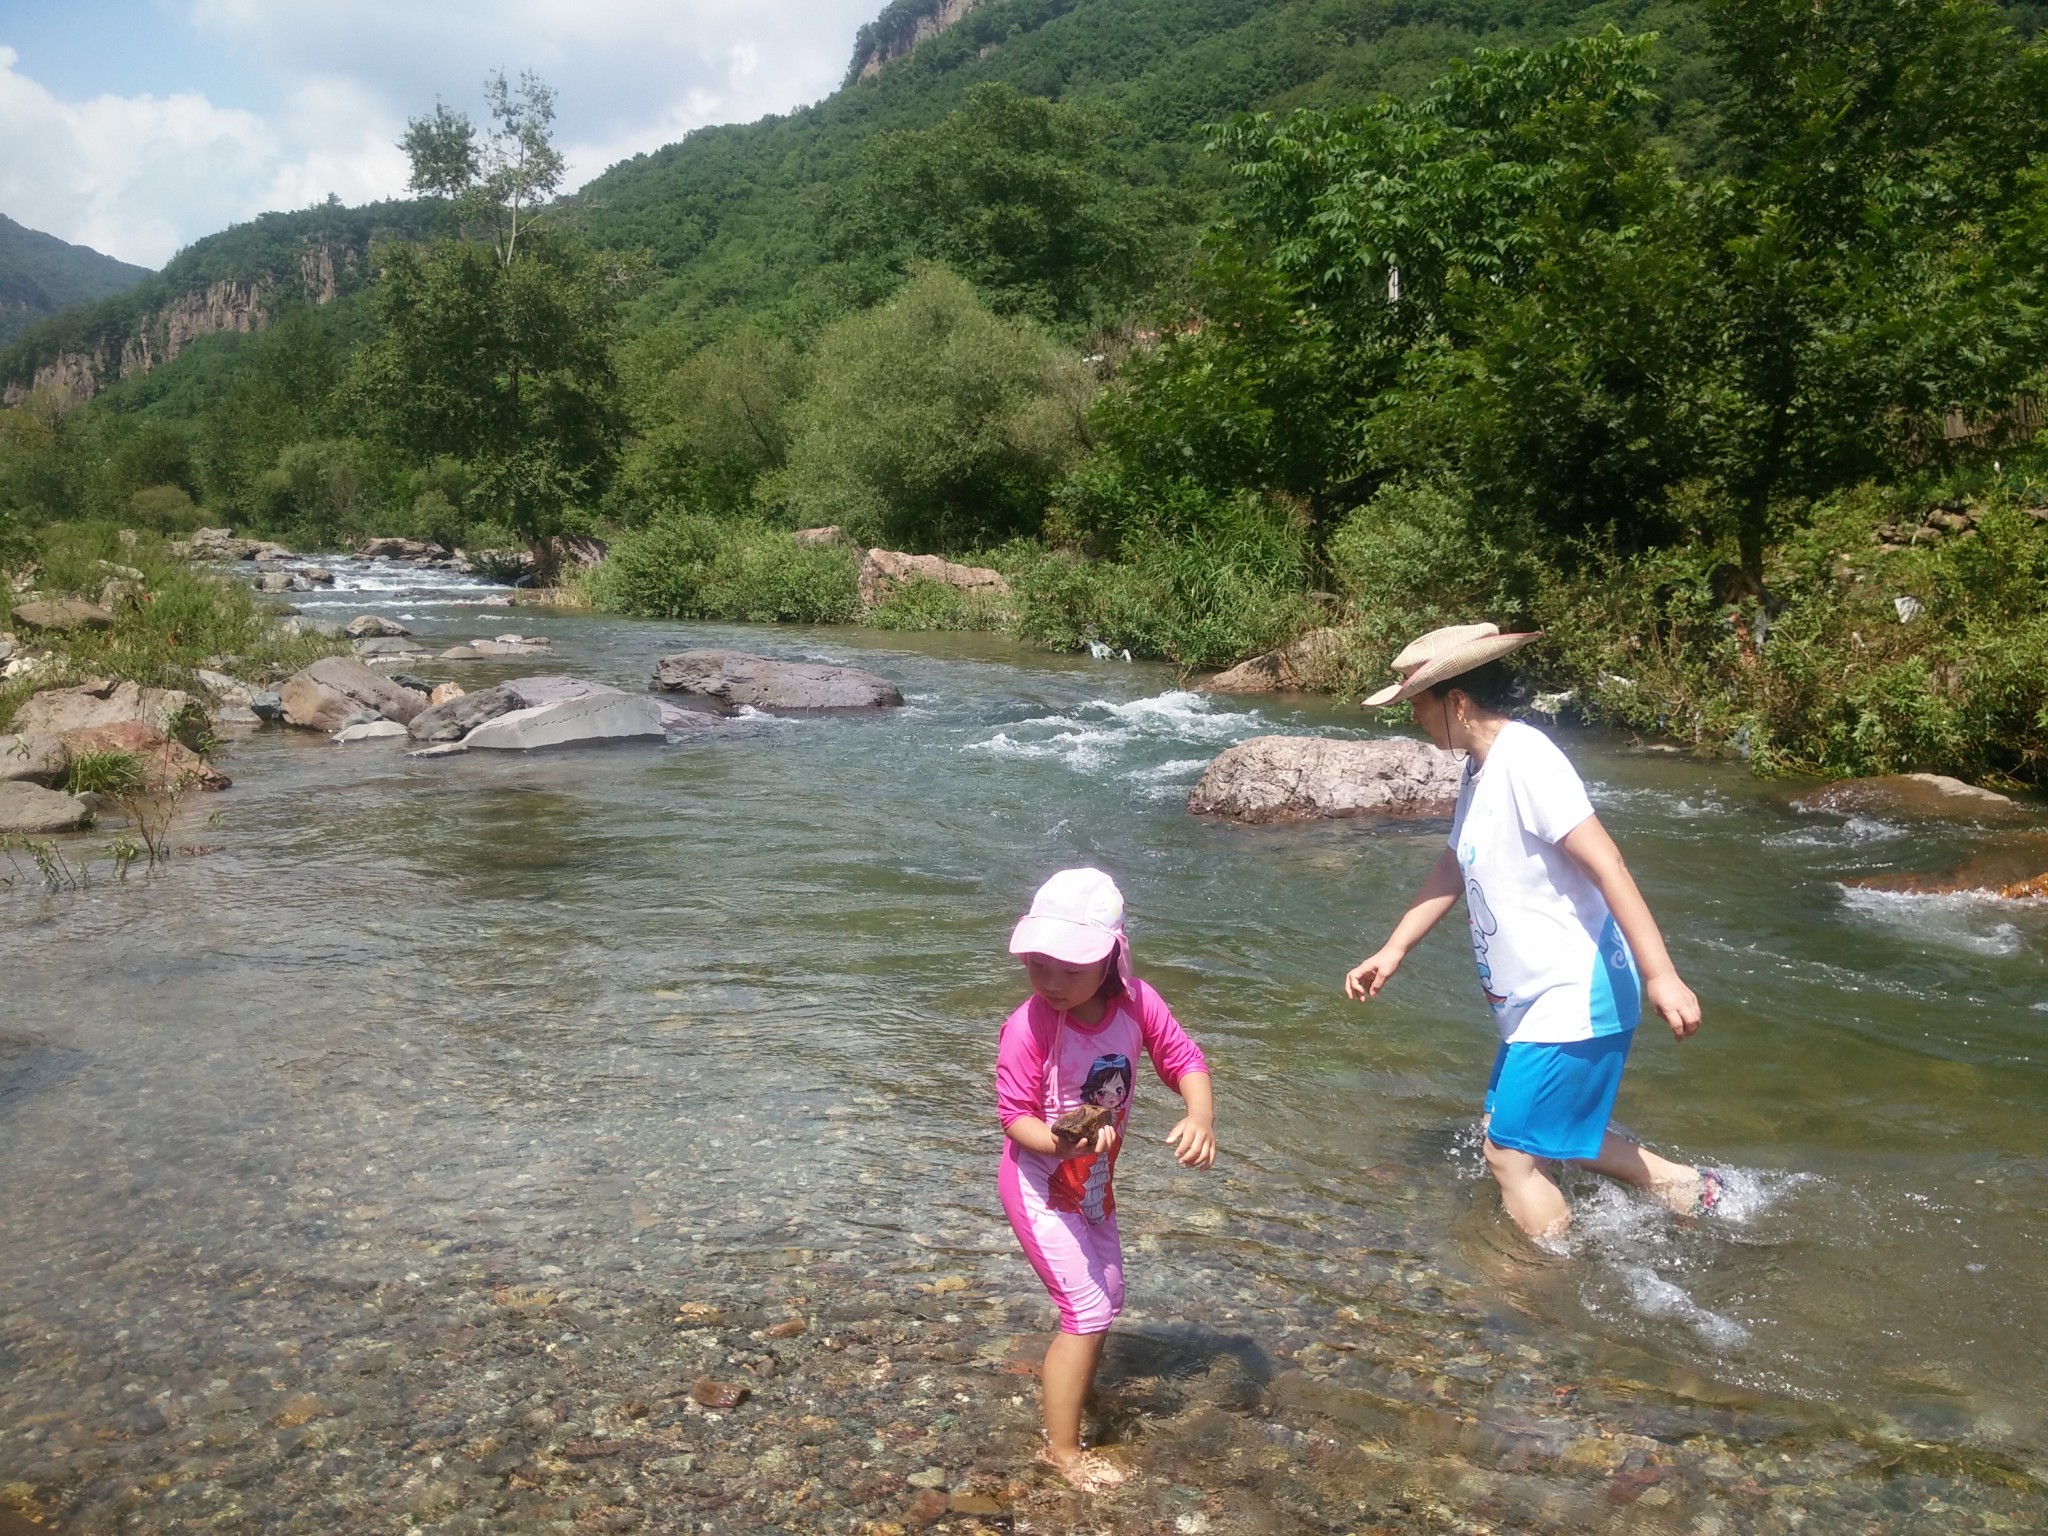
42,275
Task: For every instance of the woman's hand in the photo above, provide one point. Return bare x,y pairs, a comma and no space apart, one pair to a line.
1193,1142
1365,979
1674,1002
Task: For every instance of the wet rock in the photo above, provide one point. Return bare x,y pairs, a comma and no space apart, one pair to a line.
32,757
974,1504
103,702
509,645
390,648
274,581
316,575
62,616
730,679
1310,664
370,730
569,722
930,1477
451,719
336,690
592,1450
928,1508
882,571
718,1394
29,810
400,549
787,1329
1295,778
370,626
1910,794
267,705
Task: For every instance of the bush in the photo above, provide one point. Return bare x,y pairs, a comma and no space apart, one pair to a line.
165,509
933,605
688,566
1232,588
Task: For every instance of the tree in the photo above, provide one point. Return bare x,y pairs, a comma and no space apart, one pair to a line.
498,353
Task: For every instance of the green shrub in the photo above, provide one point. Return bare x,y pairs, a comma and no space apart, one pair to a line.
927,605
112,774
165,509
688,566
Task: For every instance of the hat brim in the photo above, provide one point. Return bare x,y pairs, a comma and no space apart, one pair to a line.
1459,659
1067,942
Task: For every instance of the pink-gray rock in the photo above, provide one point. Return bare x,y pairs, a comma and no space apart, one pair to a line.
28,810
365,626
727,680
32,757
1310,664
882,571
62,615
1296,778
102,702
338,691
1911,794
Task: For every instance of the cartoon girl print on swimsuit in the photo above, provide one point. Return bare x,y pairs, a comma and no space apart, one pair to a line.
1082,1183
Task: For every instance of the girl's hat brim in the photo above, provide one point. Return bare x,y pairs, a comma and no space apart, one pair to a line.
1061,939
1462,656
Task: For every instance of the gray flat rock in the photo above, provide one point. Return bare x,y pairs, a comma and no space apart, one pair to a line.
571,722
28,810
728,680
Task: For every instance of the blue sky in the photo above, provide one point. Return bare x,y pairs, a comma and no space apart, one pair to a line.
137,126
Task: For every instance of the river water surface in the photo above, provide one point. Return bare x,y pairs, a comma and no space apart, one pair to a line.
403,1162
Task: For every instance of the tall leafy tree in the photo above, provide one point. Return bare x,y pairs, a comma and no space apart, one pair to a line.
494,347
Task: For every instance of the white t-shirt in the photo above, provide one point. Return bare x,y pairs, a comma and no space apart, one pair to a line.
1552,962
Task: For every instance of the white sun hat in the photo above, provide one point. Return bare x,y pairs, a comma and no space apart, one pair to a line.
1444,653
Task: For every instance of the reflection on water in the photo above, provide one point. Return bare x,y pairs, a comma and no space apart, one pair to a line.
405,1163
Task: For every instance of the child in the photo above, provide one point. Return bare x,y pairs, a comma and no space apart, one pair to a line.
1558,928
1072,1043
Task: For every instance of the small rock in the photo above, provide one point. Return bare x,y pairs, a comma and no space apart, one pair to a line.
930,1477
442,693
62,616
317,575
266,705
928,1508
369,626
718,1394
974,1504
274,581
369,730
592,1450
788,1329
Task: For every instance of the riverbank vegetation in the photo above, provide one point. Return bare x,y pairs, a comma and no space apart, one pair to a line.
1718,355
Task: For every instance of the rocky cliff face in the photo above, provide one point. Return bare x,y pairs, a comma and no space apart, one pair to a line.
162,333
900,29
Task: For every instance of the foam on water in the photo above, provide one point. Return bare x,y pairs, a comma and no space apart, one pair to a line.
1960,919
1097,733
1854,832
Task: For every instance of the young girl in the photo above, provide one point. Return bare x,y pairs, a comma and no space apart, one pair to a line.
1073,1043
1558,928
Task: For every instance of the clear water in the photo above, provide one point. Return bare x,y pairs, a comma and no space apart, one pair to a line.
610,1030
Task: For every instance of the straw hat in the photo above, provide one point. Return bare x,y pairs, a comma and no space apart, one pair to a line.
1444,653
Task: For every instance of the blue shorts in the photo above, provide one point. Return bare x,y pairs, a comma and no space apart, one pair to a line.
1554,1101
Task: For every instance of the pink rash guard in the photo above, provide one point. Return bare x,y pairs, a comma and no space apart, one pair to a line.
1064,1211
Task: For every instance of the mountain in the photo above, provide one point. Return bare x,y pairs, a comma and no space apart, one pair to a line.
40,274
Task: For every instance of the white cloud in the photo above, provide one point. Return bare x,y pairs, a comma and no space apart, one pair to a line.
330,87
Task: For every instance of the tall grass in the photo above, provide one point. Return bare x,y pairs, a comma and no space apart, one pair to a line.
688,566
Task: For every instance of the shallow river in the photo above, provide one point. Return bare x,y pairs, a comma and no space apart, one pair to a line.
403,1162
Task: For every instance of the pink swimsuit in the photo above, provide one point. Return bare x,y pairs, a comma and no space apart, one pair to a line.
1064,1212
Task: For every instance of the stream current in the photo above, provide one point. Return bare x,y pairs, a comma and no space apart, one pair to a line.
403,1162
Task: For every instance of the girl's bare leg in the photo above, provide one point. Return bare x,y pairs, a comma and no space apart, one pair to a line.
1676,1184
1531,1199
1070,1363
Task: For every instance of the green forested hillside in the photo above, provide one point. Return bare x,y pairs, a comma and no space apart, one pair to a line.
40,275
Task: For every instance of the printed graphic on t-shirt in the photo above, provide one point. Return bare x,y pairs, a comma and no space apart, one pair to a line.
1083,1183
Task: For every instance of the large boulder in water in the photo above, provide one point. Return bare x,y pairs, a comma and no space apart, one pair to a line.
338,691
1297,778
595,717
727,680
29,810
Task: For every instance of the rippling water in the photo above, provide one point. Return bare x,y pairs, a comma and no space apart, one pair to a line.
423,1102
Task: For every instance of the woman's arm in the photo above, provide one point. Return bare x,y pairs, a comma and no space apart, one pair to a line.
1589,844
1441,888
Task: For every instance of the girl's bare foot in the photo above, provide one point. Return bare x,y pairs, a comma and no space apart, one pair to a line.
1085,1471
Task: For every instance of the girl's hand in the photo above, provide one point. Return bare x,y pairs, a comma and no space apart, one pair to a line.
1674,1002
1193,1142
1365,979
1074,1146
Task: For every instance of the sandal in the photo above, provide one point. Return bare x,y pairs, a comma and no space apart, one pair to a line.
1087,1472
1711,1190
